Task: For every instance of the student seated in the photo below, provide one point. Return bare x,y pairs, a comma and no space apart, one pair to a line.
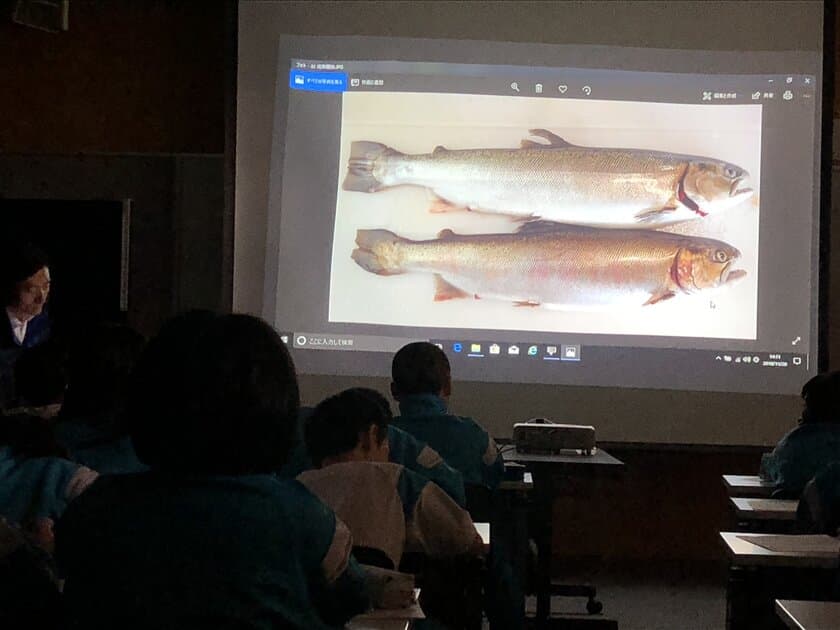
90,422
386,506
403,449
811,446
818,511
209,537
421,384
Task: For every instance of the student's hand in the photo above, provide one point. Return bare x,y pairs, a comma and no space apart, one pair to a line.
11,538
40,533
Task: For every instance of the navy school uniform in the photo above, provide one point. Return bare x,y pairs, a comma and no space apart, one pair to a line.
38,487
392,509
405,450
156,550
800,455
462,442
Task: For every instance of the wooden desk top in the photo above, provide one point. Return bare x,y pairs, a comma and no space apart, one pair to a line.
787,550
747,486
598,458
764,509
799,615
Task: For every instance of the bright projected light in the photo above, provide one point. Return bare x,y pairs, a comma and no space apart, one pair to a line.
580,215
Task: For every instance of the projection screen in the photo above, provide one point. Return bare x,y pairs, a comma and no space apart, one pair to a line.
595,225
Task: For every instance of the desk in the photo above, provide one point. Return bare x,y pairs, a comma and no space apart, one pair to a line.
812,551
747,486
803,615
764,509
793,567
357,623
483,530
770,516
546,470
387,618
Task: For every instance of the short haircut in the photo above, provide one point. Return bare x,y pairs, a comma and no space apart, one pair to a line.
420,368
822,398
99,365
40,375
337,423
18,261
214,394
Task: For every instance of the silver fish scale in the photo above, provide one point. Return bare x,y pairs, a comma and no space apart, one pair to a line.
562,267
552,183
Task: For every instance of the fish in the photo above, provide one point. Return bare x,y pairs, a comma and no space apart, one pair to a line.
556,265
558,181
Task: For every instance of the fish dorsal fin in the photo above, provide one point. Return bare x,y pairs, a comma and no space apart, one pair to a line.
446,233
445,291
530,144
554,141
538,226
439,149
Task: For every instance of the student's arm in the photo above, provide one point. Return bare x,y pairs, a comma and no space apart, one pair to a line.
431,465
421,458
340,592
439,527
493,466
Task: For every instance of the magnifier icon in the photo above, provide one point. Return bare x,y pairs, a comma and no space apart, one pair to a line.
514,86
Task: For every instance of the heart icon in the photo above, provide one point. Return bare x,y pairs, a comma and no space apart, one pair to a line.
562,88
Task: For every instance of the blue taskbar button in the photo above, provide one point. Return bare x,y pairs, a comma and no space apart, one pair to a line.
317,81
457,347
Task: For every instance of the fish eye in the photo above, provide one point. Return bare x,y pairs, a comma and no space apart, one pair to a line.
730,172
720,256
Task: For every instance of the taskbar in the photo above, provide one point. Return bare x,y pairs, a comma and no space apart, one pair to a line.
561,352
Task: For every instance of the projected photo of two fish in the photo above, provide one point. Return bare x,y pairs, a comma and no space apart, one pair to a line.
590,221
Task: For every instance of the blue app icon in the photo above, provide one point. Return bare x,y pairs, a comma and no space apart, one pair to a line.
532,351
457,347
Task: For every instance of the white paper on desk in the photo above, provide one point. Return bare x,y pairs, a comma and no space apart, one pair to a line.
807,543
772,505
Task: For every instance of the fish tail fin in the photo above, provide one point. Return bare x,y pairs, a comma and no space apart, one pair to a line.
364,156
378,252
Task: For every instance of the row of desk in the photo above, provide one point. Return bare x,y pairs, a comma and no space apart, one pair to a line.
773,561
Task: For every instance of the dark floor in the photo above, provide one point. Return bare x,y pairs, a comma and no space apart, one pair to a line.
674,596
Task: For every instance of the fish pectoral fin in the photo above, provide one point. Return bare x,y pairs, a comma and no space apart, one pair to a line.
446,233
442,205
445,291
554,140
663,295
525,303
439,149
654,214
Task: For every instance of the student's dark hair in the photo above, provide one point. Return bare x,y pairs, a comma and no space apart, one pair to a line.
420,368
822,398
18,261
214,394
99,366
40,375
338,422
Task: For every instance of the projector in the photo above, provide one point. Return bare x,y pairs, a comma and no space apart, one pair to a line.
541,436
